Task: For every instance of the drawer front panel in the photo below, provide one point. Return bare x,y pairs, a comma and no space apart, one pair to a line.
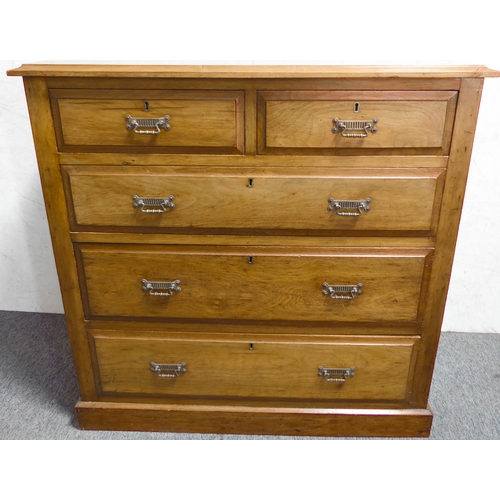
198,121
303,120
253,369
398,199
252,283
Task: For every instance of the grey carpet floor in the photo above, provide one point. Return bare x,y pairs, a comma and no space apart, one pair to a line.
38,387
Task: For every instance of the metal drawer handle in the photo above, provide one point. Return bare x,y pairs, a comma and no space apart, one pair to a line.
163,203
169,286
342,292
172,370
136,124
345,126
335,374
349,208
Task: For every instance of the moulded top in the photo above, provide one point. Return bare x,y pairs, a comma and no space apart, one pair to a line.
243,71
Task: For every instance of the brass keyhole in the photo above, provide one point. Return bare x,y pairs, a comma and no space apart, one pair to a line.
146,106
356,107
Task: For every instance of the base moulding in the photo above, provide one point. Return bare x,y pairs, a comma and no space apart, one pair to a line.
207,419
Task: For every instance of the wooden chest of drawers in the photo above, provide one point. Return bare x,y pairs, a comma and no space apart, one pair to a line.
259,250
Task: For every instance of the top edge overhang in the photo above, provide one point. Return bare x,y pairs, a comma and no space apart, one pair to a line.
237,71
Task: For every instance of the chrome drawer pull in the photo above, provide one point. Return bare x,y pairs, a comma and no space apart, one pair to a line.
349,208
335,374
342,292
136,124
345,126
173,370
169,286
163,203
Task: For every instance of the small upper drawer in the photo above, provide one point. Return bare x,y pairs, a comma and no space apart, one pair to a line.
329,122
231,200
156,121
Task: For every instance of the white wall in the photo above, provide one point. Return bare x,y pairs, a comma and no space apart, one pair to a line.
28,280
378,33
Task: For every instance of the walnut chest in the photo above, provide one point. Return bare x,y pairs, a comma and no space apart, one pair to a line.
254,250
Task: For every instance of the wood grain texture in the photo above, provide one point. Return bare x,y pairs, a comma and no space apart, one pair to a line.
231,162
259,421
251,85
303,120
341,241
453,196
55,206
281,332
401,200
281,284
401,250
255,71
263,369
212,120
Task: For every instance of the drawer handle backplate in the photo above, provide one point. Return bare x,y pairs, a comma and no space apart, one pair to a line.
168,371
336,374
163,203
169,286
342,292
349,208
346,126
138,124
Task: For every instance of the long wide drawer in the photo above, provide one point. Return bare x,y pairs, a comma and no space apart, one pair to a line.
255,199
358,369
253,283
171,121
306,121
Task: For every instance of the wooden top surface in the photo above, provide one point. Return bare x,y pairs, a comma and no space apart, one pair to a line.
237,71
